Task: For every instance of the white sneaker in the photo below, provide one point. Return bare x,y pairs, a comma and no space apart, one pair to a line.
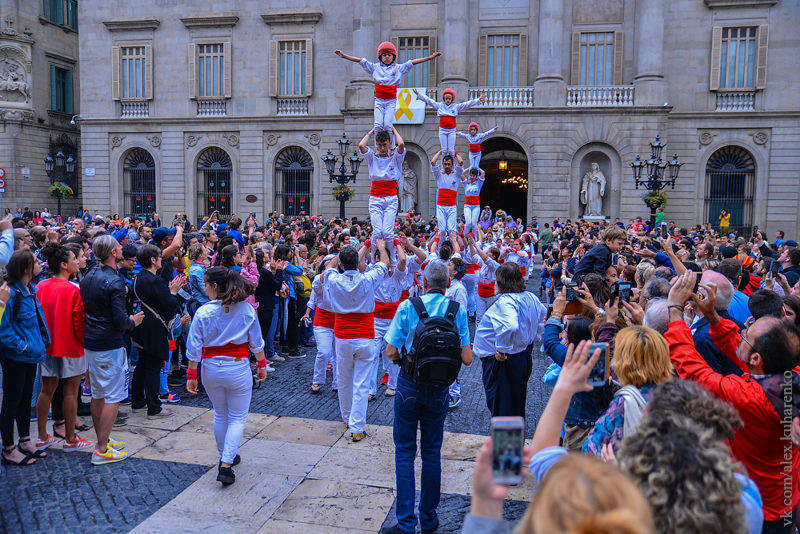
276,358
270,369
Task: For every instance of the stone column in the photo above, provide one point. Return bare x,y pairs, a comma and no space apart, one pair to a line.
454,48
549,87
650,88
360,92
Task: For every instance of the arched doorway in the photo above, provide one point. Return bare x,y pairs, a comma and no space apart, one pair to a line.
294,169
214,170
730,185
505,189
139,183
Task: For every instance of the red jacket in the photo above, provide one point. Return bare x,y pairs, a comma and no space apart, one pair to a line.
765,438
65,316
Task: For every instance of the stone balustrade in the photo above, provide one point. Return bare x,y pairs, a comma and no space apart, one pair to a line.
603,96
212,108
135,110
736,101
504,97
293,106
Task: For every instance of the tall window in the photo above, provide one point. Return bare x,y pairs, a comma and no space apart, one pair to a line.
409,48
294,169
291,68
54,11
134,72
730,185
597,58
60,89
503,60
739,58
214,170
210,70
72,14
139,183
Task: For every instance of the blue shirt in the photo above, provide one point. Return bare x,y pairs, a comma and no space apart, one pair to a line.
401,331
738,308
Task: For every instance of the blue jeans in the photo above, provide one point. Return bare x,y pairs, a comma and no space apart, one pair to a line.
427,407
269,340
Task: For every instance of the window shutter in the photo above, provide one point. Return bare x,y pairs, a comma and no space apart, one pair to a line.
761,60
575,74
273,68
68,91
309,67
522,75
482,51
115,74
53,89
228,57
433,46
60,11
716,53
148,82
618,47
192,70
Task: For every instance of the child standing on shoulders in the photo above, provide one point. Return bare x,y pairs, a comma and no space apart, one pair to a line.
447,112
472,189
387,75
474,139
447,178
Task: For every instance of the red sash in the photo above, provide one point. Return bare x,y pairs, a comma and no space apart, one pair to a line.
448,123
384,310
486,290
475,148
354,326
383,188
232,350
472,268
385,92
324,318
404,295
523,271
473,201
447,197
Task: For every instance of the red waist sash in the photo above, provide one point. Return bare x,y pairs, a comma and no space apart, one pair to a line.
475,148
472,268
447,197
404,295
232,350
386,310
473,201
354,326
324,318
523,270
448,123
383,188
486,290
385,92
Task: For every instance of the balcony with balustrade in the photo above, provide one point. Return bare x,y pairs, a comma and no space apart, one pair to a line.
292,106
736,101
135,110
504,97
600,96
212,108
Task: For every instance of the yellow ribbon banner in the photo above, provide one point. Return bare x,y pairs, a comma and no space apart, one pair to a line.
403,101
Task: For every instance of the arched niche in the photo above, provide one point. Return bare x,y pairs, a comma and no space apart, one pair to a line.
418,162
611,166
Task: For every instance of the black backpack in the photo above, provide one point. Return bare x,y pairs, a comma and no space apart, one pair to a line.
435,357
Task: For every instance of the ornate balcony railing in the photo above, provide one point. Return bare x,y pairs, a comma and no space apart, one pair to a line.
504,97
736,101
212,108
293,106
603,96
135,110
432,93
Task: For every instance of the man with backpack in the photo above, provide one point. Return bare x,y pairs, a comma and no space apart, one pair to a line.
429,339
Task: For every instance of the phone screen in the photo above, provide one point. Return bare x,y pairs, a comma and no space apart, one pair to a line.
600,372
664,232
508,439
774,267
624,289
697,282
614,293
571,293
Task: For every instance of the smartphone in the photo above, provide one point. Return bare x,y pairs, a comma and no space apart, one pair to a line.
137,307
253,214
774,267
664,232
572,293
599,374
614,293
697,282
508,439
624,291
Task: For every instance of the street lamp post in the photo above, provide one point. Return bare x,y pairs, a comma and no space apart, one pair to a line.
59,168
342,178
656,179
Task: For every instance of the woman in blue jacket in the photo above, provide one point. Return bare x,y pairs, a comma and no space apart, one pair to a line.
290,333
24,338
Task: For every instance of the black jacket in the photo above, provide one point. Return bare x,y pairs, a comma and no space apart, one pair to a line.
151,335
597,260
103,295
792,274
268,284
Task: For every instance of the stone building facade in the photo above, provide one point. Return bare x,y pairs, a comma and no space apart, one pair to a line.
39,94
234,109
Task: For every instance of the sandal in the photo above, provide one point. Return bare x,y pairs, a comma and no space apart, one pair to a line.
83,428
56,434
35,454
24,461
315,389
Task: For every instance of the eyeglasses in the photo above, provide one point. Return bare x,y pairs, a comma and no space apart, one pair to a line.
743,334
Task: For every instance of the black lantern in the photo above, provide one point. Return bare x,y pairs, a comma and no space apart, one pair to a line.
70,164
657,147
656,179
503,165
330,162
344,145
355,163
637,167
49,162
60,158
342,178
674,169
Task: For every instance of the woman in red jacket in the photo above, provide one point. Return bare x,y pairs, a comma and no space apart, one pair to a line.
63,310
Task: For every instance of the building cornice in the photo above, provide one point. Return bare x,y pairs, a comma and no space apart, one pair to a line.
211,20
59,57
129,24
292,16
716,4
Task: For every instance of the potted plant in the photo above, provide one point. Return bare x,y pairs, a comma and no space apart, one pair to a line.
656,199
61,190
343,193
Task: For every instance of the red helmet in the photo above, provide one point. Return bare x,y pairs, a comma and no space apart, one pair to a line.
387,47
450,92
475,124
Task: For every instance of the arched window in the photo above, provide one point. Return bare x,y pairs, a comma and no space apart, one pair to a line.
214,170
139,183
730,185
293,171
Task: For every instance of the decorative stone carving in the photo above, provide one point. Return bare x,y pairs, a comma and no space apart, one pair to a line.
191,140
211,20
293,16
233,139
592,190
706,138
17,114
760,138
409,188
314,139
14,81
9,31
272,139
155,140
129,24
116,141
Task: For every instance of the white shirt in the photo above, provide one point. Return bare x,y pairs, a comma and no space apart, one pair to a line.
319,299
389,290
215,325
388,168
477,138
447,181
457,292
353,291
514,257
386,74
472,189
445,110
487,272
510,325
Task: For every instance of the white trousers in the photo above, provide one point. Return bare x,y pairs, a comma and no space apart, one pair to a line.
355,363
474,160
471,285
446,218
381,327
471,214
325,343
447,138
229,385
382,215
384,115
481,305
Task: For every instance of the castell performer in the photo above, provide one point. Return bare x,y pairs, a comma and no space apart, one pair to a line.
472,203
385,171
447,177
474,139
324,319
352,295
447,112
486,277
386,74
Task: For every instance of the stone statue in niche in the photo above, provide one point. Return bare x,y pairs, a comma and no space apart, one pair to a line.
409,189
592,190
12,80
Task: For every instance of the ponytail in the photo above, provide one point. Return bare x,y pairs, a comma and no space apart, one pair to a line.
233,288
56,255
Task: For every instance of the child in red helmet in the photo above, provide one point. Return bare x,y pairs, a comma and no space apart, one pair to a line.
474,139
447,112
387,75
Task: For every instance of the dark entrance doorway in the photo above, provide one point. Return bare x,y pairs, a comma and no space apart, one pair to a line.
505,189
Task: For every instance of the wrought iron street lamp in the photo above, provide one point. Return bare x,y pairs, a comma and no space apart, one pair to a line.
342,178
656,178
59,169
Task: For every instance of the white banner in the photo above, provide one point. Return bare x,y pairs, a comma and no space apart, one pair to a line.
410,109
